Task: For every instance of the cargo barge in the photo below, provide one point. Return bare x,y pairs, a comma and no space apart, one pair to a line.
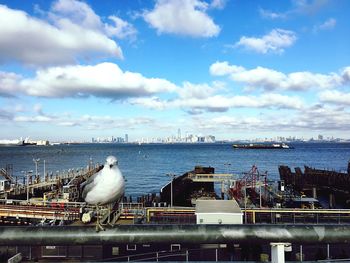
250,218
262,146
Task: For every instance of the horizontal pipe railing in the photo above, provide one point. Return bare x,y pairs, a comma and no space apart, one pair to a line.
136,234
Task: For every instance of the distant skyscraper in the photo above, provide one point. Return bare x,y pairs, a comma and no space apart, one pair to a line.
126,138
179,134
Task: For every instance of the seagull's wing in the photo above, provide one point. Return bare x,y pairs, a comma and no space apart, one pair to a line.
90,183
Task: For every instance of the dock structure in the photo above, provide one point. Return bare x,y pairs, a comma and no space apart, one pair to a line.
7,173
319,181
57,182
211,177
30,213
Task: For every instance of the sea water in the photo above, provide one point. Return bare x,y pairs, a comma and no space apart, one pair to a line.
146,166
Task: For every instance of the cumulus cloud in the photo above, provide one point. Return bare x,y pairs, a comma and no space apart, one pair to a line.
71,31
81,13
8,83
321,117
220,103
335,97
101,80
224,68
270,79
6,114
274,42
198,91
182,17
121,29
314,118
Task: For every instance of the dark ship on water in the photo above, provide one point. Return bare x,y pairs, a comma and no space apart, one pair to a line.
262,146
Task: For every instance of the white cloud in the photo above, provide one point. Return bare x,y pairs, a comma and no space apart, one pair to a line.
221,103
38,118
275,42
346,75
101,80
76,12
85,122
315,118
81,14
321,117
75,33
153,102
38,108
218,4
121,29
300,7
327,25
6,115
182,17
223,68
308,7
335,97
198,91
270,79
8,83
271,15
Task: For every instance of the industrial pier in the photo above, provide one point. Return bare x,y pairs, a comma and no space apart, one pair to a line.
187,221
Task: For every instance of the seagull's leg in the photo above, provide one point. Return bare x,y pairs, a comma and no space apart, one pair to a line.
109,214
110,207
98,225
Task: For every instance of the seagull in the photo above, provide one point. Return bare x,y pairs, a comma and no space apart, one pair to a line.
104,187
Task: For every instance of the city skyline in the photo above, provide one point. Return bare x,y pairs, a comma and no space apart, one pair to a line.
75,70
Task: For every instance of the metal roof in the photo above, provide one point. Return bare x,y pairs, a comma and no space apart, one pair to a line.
217,206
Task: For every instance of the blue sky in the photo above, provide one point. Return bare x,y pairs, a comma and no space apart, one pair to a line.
72,70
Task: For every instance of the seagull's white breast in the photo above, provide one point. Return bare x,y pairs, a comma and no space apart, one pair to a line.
109,186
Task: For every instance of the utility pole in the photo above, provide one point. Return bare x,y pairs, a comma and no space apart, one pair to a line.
27,174
44,171
36,161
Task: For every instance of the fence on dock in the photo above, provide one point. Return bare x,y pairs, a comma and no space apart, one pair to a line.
53,182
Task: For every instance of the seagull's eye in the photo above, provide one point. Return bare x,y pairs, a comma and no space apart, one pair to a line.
111,165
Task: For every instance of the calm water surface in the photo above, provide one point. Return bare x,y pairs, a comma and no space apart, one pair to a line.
145,166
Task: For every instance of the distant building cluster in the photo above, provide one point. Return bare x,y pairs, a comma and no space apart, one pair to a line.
188,138
319,138
111,139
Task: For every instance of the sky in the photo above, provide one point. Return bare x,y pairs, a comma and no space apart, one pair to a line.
235,69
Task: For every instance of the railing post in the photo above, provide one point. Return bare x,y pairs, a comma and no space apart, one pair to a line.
277,252
328,257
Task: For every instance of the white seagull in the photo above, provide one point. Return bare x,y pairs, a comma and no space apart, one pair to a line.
105,187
